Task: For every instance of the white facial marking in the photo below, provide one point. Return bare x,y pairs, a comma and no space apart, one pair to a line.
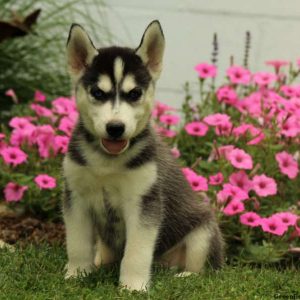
118,69
128,83
105,83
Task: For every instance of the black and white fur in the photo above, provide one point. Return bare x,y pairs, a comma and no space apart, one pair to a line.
135,206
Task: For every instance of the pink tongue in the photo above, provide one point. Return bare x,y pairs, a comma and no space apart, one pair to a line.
114,147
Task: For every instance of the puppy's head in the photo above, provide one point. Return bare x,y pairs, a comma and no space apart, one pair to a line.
115,86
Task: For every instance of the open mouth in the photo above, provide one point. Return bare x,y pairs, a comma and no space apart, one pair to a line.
114,147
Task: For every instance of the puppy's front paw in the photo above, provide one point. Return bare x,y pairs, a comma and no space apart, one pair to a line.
134,284
74,271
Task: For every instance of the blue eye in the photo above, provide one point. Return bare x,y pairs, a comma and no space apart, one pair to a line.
98,94
134,94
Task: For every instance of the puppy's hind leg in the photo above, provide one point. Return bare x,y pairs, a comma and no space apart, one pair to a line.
197,249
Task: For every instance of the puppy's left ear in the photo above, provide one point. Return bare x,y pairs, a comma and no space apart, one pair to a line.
151,49
80,51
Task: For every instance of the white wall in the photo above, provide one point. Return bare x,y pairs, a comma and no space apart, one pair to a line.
189,27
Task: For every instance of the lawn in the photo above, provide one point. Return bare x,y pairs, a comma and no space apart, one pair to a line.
37,273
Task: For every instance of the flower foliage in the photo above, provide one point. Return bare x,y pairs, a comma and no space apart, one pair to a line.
238,146
244,138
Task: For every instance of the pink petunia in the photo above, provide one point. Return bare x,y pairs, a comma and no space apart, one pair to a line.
63,106
288,90
14,192
264,186
273,225
188,172
169,119
287,218
20,123
196,128
169,133
13,155
160,109
251,219
45,181
240,159
66,125
277,64
233,207
227,95
241,180
61,143
216,119
264,78
175,152
224,151
224,129
11,93
42,111
290,127
206,70
231,192
287,164
216,179
44,136
238,75
197,182
39,96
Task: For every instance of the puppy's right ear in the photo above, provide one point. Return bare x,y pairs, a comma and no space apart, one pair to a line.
80,51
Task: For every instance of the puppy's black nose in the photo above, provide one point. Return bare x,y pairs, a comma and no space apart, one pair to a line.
115,129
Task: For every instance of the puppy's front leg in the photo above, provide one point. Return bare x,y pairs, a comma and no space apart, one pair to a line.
140,243
79,238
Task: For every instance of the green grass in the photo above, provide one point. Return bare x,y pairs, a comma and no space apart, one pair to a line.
37,273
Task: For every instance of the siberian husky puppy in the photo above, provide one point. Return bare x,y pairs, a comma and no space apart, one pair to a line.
125,197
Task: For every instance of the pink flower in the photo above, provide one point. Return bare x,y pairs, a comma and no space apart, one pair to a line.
240,159
198,183
233,207
216,179
42,111
175,152
169,119
264,78
160,109
61,143
20,123
11,93
39,96
224,129
287,164
290,127
216,119
169,133
264,185
196,128
63,106
45,181
14,192
238,75
288,90
66,125
287,218
273,225
227,95
188,172
251,219
224,151
45,139
231,192
277,64
13,155
241,180
206,70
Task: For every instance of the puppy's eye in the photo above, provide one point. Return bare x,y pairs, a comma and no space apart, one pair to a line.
98,94
134,94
